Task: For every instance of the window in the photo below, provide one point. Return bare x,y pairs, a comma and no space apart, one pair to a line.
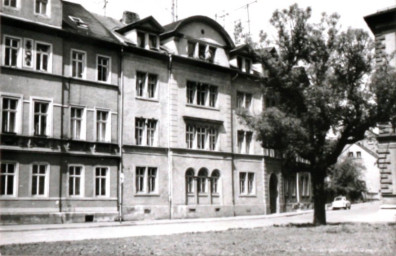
215,182
146,85
239,62
292,185
248,66
141,39
79,22
153,42
244,100
39,179
201,136
146,180
102,126
102,181
190,181
11,54
9,115
43,55
244,142
201,94
151,125
103,68
152,84
350,154
202,176
41,118
305,185
10,3
246,183
244,64
191,49
145,131
41,7
77,123
140,179
201,51
78,64
7,179
358,154
286,187
75,181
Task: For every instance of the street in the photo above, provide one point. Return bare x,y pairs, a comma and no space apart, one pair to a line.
367,212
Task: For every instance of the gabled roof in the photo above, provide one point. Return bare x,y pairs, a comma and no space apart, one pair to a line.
362,147
382,20
92,27
244,50
148,24
173,28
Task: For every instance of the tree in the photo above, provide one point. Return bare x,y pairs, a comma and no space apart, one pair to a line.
344,178
325,83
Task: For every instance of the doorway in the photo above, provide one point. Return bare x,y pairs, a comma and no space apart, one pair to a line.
273,190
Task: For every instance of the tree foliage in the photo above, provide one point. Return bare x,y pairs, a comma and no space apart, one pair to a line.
344,178
325,82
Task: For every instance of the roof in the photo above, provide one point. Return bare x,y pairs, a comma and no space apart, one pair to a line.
93,27
173,28
382,20
244,50
362,147
148,24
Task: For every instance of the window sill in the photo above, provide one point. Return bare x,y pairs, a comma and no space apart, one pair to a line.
147,99
202,150
248,196
202,107
44,16
103,82
147,195
99,197
203,195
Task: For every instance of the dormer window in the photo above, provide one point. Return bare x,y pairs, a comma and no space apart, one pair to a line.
244,64
41,7
204,52
79,22
153,42
141,39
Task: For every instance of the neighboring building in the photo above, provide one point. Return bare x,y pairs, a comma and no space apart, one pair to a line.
383,25
167,96
59,121
364,154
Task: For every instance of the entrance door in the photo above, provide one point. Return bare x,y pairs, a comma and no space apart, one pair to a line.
273,189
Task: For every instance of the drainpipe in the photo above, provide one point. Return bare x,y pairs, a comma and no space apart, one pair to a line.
120,134
170,153
232,147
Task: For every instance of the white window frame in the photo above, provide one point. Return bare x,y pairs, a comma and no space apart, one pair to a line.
11,7
157,41
19,112
49,128
145,87
83,128
107,135
46,182
207,94
47,11
107,194
108,80
244,101
49,64
84,63
146,180
16,180
82,180
206,141
246,192
145,132
19,51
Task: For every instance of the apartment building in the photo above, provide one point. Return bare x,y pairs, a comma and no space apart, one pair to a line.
141,120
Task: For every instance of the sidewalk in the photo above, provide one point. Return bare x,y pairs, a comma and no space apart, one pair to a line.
33,227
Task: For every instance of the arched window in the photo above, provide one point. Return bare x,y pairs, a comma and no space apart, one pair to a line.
215,181
202,176
190,180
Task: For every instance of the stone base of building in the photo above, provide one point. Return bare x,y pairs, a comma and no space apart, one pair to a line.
55,218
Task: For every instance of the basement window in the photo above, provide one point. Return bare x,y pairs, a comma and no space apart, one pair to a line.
79,22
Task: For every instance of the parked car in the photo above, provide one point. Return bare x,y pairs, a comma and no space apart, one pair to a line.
340,202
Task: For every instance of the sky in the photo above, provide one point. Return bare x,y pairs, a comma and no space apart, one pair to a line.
227,12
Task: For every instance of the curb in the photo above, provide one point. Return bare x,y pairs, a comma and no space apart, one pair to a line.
147,223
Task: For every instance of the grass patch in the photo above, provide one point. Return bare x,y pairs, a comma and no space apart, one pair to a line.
291,239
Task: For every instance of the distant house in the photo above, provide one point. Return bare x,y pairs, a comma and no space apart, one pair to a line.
364,153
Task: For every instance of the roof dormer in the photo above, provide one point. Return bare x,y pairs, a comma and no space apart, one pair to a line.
143,33
244,59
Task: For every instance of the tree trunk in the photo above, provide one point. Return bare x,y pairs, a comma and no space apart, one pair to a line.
319,196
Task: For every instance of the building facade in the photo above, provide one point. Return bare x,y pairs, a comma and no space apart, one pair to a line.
383,26
105,119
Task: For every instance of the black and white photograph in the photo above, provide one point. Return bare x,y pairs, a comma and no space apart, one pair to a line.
186,127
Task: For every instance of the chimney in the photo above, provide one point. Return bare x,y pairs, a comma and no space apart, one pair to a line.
129,17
